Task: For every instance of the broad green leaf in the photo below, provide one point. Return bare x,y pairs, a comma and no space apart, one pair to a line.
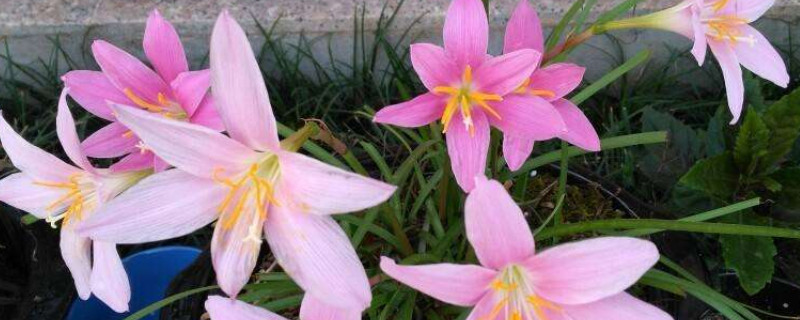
664,164
715,133
788,197
751,257
783,119
717,176
752,143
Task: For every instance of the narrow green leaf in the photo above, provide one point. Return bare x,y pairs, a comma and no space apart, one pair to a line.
166,301
610,77
668,225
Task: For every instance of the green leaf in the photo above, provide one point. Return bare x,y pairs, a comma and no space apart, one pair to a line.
751,257
610,77
717,176
788,197
751,143
783,119
664,164
715,133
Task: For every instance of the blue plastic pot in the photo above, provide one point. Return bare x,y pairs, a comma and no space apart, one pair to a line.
150,273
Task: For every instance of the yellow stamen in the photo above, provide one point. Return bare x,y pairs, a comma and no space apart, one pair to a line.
165,107
128,134
73,199
141,102
463,98
549,94
718,5
516,297
726,27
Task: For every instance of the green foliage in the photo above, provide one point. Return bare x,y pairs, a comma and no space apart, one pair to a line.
751,257
751,144
718,176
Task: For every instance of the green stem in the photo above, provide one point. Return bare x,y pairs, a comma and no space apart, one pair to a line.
668,225
406,248
562,186
705,216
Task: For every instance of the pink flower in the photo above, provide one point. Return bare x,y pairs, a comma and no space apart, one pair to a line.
56,191
579,280
248,184
544,91
220,308
469,88
171,91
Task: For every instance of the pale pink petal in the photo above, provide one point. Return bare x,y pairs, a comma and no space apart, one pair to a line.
495,225
315,187
761,57
109,279
456,284
220,308
700,46
580,131
19,191
111,141
31,160
486,308
77,254
589,270
750,10
434,67
93,91
206,115
502,75
127,72
560,78
524,30
195,149
417,112
134,161
235,246
318,256
160,165
516,151
68,136
163,47
238,87
468,152
162,206
466,32
527,116
190,88
618,307
732,73
313,309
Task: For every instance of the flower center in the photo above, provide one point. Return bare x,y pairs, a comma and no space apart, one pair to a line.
525,88
77,199
255,188
463,98
165,107
517,298
726,27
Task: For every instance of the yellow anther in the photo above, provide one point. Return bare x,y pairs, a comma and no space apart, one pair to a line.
253,190
549,94
141,102
73,199
463,98
128,134
719,4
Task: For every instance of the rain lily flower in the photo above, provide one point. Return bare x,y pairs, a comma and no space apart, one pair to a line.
544,90
722,25
171,91
577,281
220,308
468,91
249,184
56,191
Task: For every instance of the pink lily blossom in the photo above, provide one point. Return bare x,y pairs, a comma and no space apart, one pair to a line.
724,26
249,184
171,91
472,89
220,308
51,189
545,89
576,281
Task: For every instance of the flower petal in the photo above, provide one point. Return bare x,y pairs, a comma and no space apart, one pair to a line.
68,136
527,116
77,254
31,160
700,45
19,191
589,270
206,115
560,78
495,225
234,249
747,9
417,112
162,206
126,72
580,131
466,32
238,86
109,280
315,187
313,309
468,152
93,91
111,141
524,30
618,307
163,47
434,66
220,308
134,161
195,149
318,256
190,88
732,73
487,309
516,151
461,285
761,57
502,75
